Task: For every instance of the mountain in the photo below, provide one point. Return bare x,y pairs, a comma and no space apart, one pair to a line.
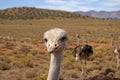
37,13
102,14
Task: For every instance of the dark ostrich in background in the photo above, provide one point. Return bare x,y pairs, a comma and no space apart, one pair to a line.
82,53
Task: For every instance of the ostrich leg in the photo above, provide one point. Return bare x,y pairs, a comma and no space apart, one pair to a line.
118,62
82,66
85,61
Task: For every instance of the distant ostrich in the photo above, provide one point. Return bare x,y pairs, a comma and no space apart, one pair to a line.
116,52
82,52
55,41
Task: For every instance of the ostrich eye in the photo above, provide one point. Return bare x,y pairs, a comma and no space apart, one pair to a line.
63,39
45,40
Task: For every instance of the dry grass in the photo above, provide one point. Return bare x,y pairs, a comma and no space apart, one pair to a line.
23,56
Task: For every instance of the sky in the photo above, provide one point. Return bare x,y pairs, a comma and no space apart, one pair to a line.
65,5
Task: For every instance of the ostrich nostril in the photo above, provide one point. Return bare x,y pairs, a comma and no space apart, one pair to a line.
49,45
55,45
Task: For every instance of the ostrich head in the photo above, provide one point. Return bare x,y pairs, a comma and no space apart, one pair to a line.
55,40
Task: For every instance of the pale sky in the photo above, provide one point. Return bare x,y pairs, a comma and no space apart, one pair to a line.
66,5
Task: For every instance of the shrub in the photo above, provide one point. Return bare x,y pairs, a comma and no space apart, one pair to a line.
9,45
4,66
34,52
41,77
31,74
25,49
27,61
98,53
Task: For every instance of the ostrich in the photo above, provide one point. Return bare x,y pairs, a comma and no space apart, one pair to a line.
55,41
82,52
116,52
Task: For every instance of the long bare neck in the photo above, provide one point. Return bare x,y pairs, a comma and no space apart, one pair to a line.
55,66
112,42
112,45
78,38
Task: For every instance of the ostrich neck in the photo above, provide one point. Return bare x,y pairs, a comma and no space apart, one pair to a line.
55,66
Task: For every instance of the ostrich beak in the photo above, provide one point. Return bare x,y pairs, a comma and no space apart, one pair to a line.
51,48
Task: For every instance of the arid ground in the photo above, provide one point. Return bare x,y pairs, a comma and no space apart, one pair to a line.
23,54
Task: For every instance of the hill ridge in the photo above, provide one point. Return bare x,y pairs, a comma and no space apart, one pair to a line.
37,13
115,15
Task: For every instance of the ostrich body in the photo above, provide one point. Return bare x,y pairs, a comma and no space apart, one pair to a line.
82,52
55,41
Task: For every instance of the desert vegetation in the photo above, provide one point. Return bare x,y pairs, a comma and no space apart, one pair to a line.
36,13
23,55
